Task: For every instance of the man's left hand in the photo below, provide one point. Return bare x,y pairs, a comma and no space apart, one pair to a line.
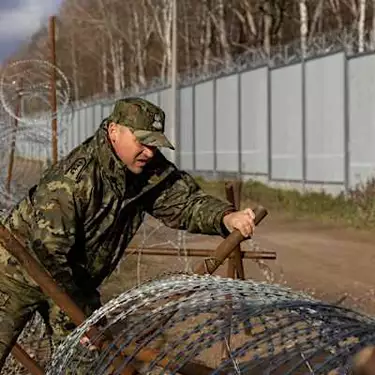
242,221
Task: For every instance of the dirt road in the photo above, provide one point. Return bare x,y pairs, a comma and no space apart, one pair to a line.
327,261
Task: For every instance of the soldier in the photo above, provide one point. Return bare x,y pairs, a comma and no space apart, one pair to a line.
78,220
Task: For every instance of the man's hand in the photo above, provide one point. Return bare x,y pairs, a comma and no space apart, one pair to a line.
242,221
85,341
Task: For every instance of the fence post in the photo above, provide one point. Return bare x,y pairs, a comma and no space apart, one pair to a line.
346,94
303,107
235,263
269,122
214,118
239,109
194,146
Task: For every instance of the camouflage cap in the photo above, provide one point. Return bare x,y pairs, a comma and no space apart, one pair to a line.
143,118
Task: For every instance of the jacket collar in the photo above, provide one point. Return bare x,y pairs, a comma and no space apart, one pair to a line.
112,166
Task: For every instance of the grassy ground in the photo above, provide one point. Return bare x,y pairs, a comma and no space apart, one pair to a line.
354,209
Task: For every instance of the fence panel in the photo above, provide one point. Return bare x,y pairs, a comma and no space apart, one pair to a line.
227,124
204,126
76,129
98,116
361,86
286,123
325,119
186,128
89,124
254,121
82,124
165,101
153,97
107,109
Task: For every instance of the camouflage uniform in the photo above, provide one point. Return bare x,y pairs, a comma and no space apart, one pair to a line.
86,209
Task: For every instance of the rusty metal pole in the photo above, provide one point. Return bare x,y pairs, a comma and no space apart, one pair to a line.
13,142
52,34
201,253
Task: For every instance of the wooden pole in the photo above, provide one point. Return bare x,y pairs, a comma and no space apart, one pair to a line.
29,363
52,35
235,263
201,253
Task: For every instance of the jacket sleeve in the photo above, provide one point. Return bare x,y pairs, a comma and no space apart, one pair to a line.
56,206
180,203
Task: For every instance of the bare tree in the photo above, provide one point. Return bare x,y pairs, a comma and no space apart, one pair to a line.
105,46
361,25
317,14
161,11
247,15
304,26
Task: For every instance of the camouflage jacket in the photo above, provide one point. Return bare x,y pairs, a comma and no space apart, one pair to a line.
86,209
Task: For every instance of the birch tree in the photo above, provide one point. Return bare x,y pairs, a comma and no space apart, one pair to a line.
196,33
161,11
361,25
336,6
219,21
273,17
109,18
304,26
247,15
82,42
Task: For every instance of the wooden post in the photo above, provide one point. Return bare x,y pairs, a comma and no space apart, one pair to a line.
235,263
52,23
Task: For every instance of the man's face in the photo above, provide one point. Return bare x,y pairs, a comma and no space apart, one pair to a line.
130,151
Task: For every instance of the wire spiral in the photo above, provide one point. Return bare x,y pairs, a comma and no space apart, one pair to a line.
187,318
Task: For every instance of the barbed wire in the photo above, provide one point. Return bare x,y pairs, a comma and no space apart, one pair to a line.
185,316
25,91
342,40
25,123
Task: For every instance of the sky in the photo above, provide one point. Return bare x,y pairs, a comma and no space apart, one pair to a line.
19,19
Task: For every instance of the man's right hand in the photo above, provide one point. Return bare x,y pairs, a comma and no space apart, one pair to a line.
85,341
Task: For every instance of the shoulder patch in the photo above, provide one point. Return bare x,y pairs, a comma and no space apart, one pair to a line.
75,170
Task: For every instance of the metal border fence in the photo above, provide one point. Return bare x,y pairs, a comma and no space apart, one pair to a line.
304,125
